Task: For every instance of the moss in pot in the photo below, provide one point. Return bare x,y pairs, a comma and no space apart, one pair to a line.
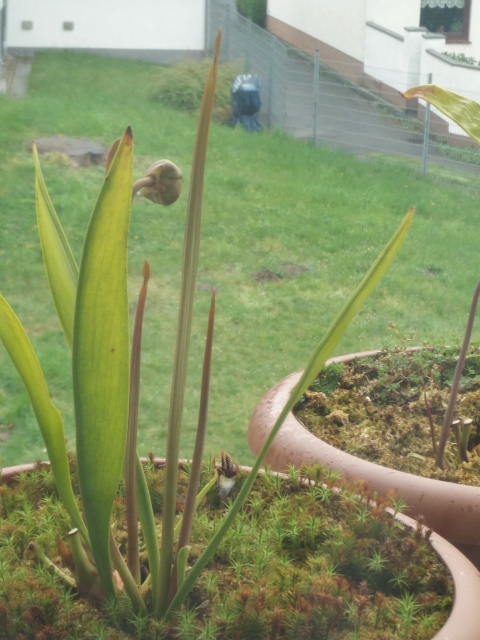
389,409
307,557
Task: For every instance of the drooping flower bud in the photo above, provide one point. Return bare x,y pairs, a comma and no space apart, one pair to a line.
166,183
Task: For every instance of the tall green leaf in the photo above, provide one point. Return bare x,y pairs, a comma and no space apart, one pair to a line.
62,271
465,112
321,353
21,352
101,355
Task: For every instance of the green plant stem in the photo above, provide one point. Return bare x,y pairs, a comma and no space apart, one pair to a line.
133,554
191,253
129,583
447,422
86,574
197,459
464,436
431,424
148,181
47,563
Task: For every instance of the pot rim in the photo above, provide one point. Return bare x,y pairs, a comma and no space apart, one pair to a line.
295,445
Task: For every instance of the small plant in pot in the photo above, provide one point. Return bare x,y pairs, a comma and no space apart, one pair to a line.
136,547
451,508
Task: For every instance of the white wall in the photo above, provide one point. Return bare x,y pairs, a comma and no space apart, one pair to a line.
403,61
338,23
394,14
107,24
385,57
341,23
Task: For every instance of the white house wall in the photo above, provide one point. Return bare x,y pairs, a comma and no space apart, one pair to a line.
394,14
113,25
334,23
342,24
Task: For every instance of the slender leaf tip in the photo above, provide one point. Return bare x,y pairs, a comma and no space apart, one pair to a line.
146,270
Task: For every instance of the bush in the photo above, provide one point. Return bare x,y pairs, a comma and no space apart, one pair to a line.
255,10
181,86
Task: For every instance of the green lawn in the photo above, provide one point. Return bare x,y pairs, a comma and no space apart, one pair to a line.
270,202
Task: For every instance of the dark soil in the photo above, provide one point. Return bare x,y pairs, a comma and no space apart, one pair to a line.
287,270
375,408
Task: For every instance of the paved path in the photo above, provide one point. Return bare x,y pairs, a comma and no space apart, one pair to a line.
14,76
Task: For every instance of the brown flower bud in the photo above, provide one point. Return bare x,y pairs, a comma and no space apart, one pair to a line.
166,183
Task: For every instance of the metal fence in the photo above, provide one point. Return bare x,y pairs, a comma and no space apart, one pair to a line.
304,96
260,51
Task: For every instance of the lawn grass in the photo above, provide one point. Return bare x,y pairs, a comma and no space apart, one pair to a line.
270,201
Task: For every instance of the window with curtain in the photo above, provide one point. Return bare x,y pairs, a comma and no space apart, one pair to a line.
451,17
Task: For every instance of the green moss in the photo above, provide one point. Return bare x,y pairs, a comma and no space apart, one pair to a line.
302,560
378,411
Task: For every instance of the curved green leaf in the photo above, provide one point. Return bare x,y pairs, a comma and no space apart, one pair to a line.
101,355
21,352
62,271
465,112
317,360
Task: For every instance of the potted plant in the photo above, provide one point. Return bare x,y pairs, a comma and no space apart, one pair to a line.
111,555
451,509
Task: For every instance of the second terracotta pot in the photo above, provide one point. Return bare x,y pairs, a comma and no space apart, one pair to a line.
452,510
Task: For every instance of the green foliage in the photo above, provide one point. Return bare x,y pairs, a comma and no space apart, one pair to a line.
461,57
180,86
255,10
328,380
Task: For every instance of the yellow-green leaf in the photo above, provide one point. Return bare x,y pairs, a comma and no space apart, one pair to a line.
21,352
465,112
62,271
101,355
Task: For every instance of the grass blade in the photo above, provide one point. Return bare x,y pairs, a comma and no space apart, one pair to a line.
191,253
62,271
319,356
21,352
101,356
465,112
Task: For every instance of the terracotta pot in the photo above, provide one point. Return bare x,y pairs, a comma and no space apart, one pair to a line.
452,510
464,620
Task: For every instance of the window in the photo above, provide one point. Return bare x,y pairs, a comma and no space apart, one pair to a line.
451,17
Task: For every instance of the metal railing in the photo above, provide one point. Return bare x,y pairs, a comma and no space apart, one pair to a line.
262,54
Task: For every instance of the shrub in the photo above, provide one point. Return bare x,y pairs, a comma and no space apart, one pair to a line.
181,86
255,10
